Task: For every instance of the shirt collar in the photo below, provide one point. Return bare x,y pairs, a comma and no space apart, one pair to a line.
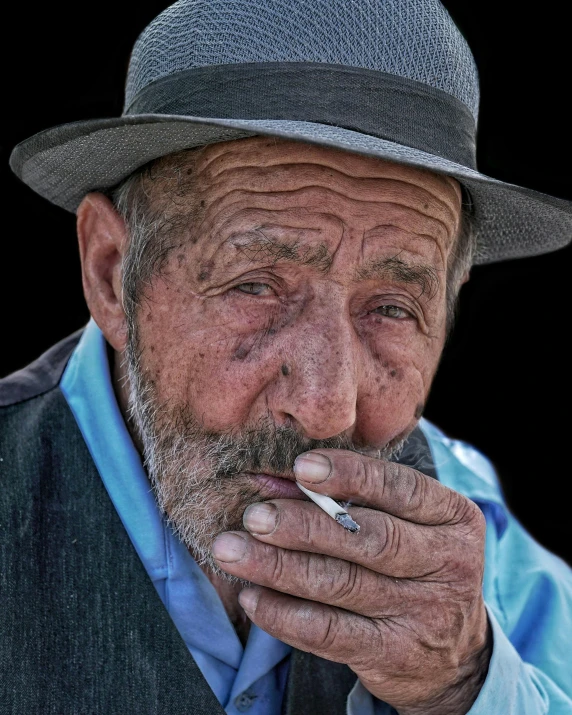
186,592
462,468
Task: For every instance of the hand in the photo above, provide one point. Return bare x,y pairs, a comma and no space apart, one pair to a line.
400,602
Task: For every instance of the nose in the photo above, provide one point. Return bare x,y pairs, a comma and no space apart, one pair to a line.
320,388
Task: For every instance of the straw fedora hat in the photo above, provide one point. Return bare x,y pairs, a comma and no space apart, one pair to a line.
392,79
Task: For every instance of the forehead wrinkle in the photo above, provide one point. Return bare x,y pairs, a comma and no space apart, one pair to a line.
293,218
268,200
396,269
397,231
259,182
449,231
283,153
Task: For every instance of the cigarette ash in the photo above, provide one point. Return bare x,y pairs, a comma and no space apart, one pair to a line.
347,522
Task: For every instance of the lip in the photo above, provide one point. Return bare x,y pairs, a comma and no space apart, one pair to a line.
273,487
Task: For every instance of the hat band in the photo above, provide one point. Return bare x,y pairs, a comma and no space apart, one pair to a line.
380,104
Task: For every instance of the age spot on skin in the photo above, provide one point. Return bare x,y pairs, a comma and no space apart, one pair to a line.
206,270
285,370
396,374
241,352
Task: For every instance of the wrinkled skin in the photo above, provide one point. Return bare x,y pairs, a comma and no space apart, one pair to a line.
311,287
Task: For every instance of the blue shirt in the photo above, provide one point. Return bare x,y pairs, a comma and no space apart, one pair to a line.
528,591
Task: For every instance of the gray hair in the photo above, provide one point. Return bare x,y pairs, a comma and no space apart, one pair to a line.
155,229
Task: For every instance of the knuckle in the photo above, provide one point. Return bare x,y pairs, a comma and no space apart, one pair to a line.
277,566
384,545
346,585
471,518
372,479
477,521
455,507
417,492
326,636
305,526
361,476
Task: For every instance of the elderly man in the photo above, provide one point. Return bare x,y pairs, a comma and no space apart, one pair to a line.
272,237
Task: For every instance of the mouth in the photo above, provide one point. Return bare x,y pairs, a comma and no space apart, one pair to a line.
272,486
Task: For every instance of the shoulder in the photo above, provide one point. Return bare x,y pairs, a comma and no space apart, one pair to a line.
41,447
39,377
35,421
462,467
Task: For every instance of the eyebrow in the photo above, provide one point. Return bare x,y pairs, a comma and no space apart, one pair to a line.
394,268
257,246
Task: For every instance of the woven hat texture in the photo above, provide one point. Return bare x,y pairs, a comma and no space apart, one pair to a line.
414,39
411,66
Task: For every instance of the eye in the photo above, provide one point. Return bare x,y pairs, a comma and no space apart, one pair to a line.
254,288
391,311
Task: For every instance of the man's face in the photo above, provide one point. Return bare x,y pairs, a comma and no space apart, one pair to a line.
306,301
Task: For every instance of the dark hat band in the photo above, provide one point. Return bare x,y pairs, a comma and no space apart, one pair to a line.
380,104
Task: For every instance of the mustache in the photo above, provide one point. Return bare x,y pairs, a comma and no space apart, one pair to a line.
270,448
264,447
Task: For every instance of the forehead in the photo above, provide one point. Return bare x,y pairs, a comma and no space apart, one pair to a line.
276,159
262,181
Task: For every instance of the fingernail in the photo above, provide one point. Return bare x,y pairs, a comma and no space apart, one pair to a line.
248,599
260,518
229,547
312,467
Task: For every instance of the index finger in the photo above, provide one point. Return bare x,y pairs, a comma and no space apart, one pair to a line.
392,487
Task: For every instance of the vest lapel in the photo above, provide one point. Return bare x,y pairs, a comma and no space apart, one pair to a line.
83,627
317,686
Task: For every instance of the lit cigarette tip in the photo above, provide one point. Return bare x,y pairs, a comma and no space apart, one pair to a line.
332,508
347,522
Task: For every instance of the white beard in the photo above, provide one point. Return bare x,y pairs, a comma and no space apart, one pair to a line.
199,478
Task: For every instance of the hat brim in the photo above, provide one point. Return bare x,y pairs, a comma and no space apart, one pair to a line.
66,162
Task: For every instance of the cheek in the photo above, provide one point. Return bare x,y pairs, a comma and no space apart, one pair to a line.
398,385
198,355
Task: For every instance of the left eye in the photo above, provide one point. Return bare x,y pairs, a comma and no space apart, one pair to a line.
254,288
391,311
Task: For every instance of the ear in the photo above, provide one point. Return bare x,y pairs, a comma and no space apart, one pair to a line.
102,236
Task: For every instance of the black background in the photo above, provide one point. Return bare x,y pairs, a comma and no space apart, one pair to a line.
504,381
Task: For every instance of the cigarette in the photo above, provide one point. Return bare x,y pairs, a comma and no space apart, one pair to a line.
333,509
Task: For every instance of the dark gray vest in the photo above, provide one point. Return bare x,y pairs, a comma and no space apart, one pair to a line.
82,629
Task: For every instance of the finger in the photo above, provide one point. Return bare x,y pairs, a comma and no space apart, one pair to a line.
392,487
313,627
385,544
314,577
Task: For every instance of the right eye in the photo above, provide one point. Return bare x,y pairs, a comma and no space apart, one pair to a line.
254,288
